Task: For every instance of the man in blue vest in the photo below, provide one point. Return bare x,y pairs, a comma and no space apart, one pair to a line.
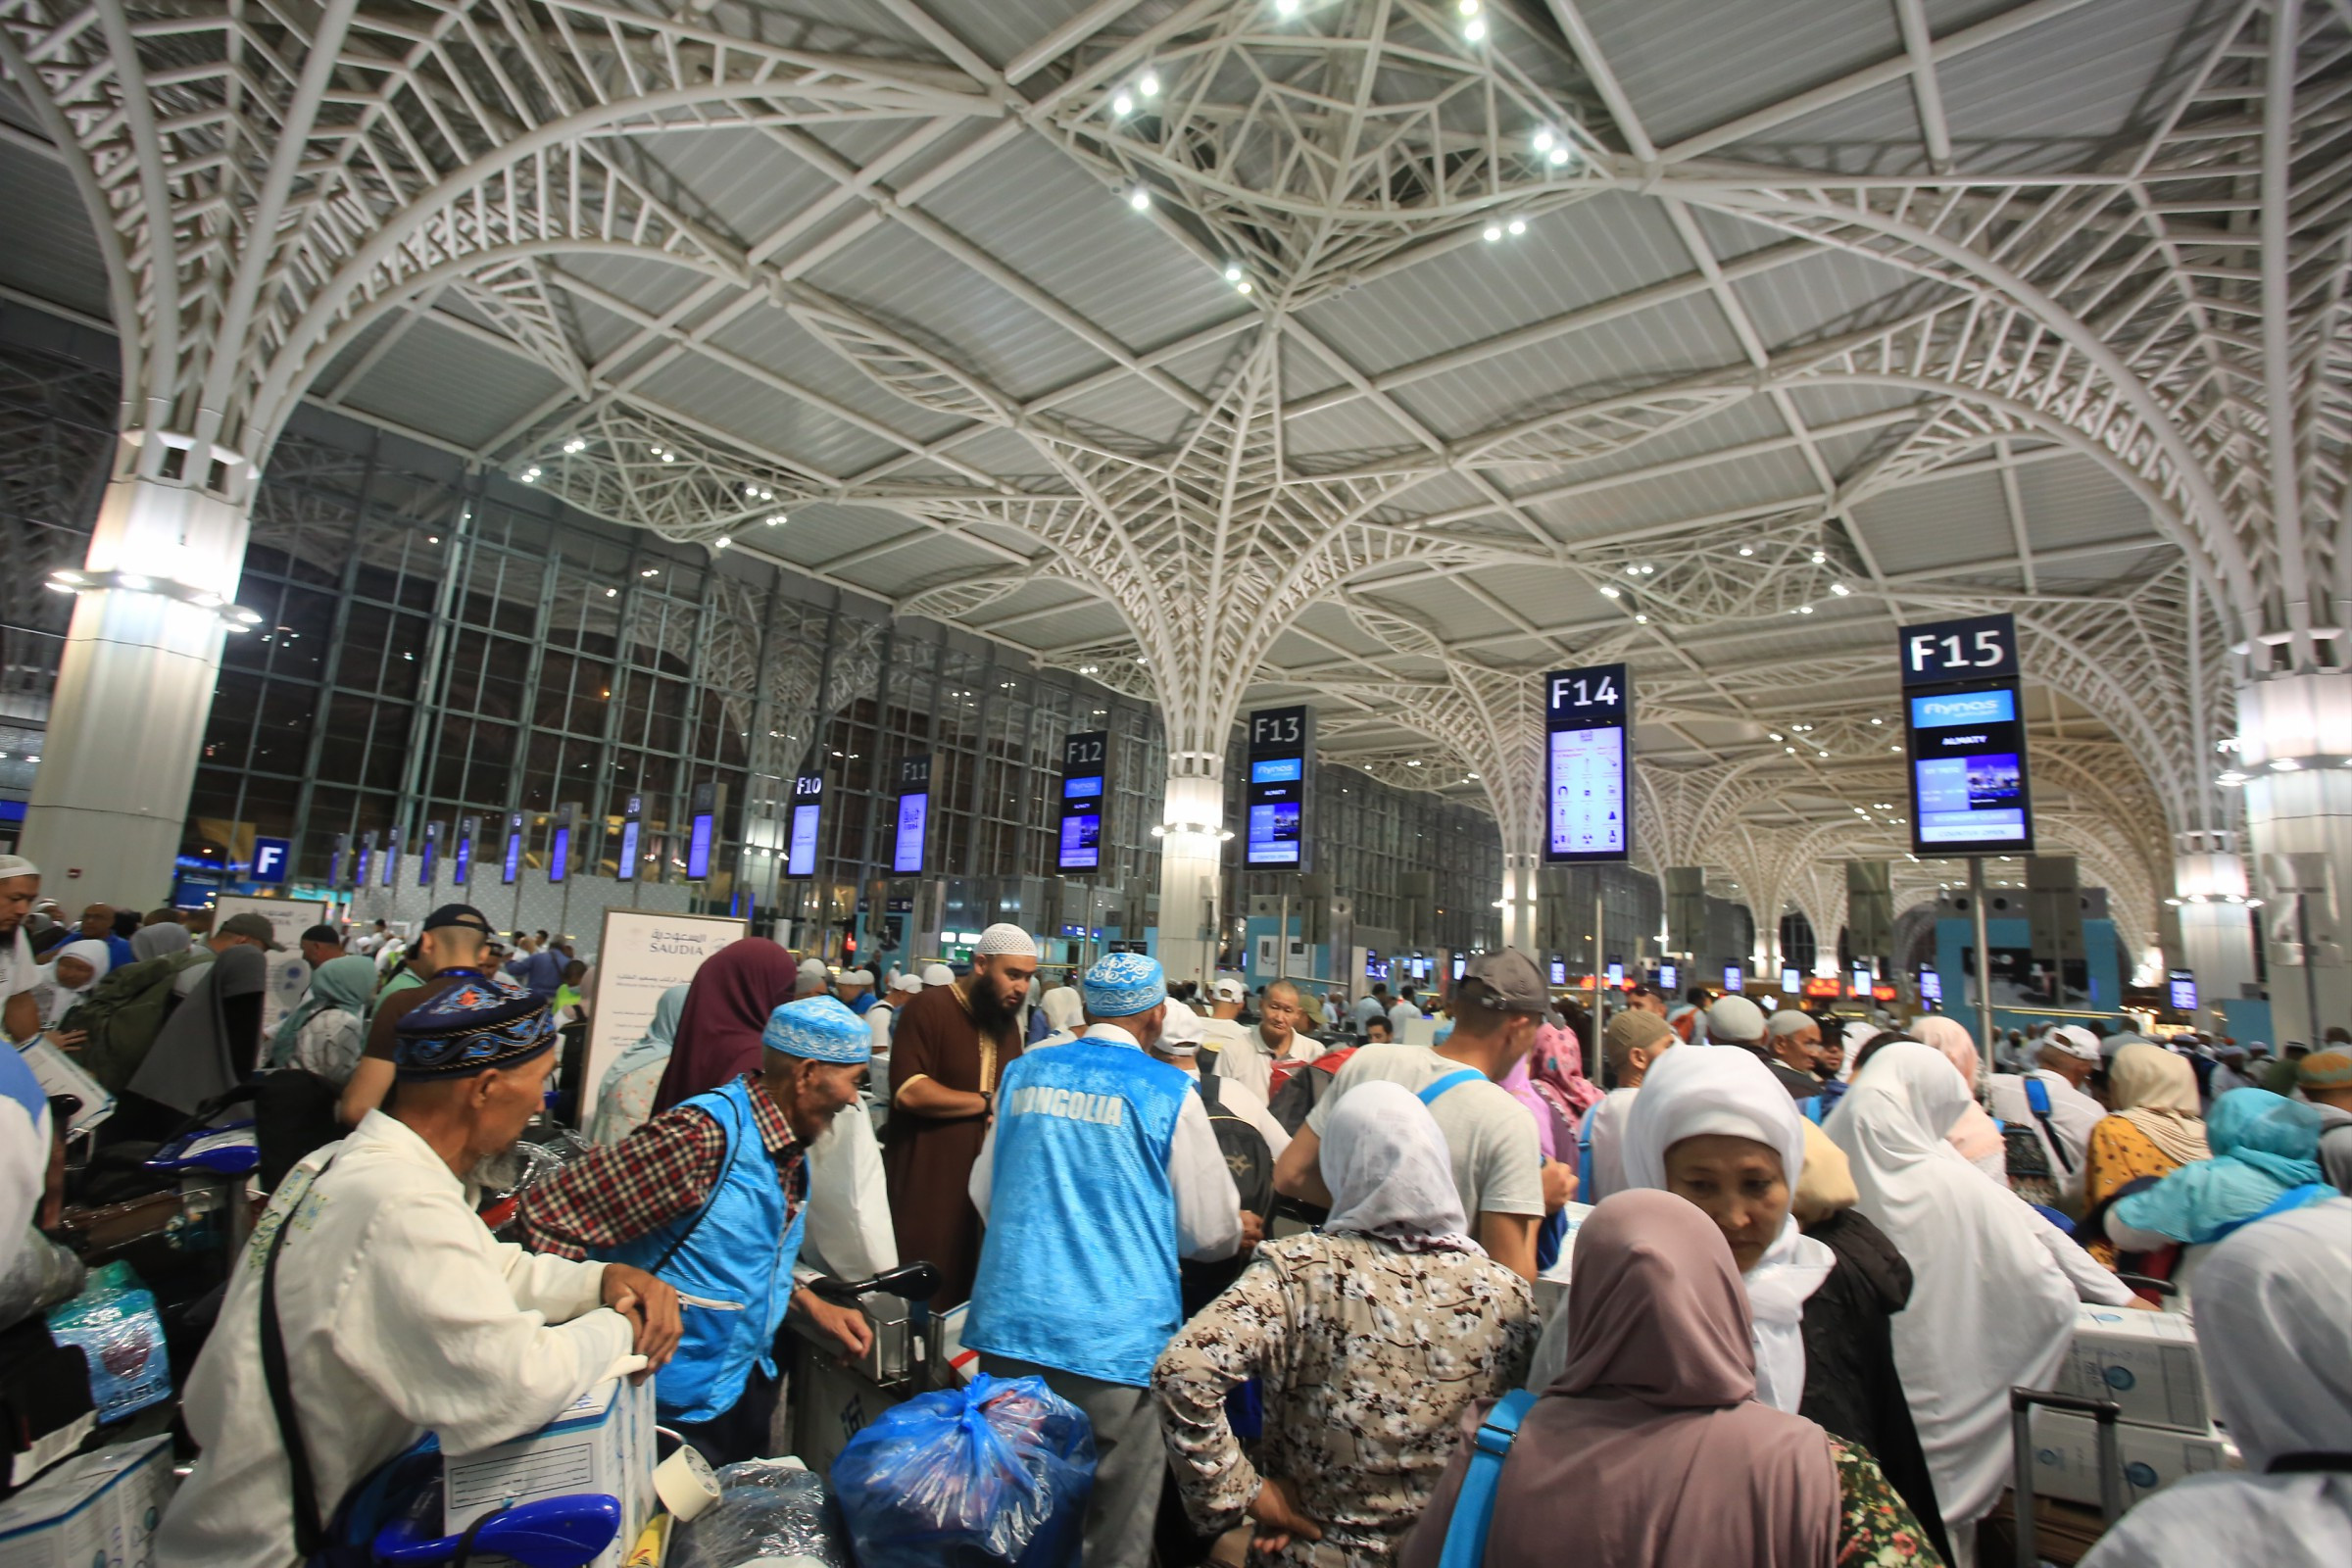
711,1196
1111,1173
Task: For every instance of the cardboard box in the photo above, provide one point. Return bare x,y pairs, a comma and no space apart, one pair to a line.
604,1443
94,1510
2066,1457
2146,1362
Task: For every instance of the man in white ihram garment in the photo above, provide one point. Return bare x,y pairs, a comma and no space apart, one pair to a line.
398,1311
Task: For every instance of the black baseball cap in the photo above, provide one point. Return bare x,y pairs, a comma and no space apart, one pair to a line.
459,914
323,933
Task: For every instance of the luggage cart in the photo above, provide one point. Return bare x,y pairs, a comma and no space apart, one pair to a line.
2105,1412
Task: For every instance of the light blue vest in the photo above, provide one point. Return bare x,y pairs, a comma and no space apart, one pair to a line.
1078,1270
730,1262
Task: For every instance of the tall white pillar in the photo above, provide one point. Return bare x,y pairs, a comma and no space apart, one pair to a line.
2218,930
2294,746
1191,838
135,686
1520,869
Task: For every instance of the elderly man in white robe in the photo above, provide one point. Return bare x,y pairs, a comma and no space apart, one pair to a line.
398,1313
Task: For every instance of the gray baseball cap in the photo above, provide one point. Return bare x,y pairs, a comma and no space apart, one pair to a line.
254,928
1513,982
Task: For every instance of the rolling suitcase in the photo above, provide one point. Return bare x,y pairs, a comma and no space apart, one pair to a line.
2104,1412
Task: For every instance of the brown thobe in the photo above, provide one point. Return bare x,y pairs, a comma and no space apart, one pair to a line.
929,1161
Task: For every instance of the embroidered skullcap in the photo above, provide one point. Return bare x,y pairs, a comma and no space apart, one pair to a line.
1121,985
820,1028
2326,1070
1004,937
471,1028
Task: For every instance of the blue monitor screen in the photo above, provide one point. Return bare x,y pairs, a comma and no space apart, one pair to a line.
1668,976
1274,833
514,865
915,811
800,855
462,863
1278,770
1733,978
360,876
698,850
1081,842
558,856
1968,770
424,866
626,868
1082,787
1930,986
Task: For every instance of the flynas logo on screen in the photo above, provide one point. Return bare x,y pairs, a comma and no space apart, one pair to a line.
1968,707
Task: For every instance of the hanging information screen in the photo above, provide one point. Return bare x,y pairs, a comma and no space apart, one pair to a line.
511,865
359,881
914,815
807,811
391,861
461,862
1965,725
429,853
1083,771
1280,739
633,828
1587,787
559,846
702,821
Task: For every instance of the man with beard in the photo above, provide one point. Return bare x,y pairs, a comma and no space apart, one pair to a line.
20,885
953,1044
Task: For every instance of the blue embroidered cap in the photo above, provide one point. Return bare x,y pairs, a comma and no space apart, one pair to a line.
1122,985
820,1028
471,1027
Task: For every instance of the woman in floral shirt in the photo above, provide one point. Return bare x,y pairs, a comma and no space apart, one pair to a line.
1369,1339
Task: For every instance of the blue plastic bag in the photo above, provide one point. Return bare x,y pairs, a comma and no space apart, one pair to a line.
115,1322
995,1473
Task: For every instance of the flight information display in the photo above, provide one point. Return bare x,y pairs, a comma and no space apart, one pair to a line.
702,822
1668,976
1587,781
2182,986
1930,986
1084,767
632,831
427,854
808,812
510,866
1280,739
914,815
1734,978
366,857
461,862
1965,725
391,862
559,849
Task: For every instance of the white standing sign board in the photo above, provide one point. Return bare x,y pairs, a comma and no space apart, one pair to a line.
289,975
639,956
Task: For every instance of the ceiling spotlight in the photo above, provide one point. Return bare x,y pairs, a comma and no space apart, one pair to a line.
1557,156
574,445
651,571
1804,610
1542,138
1468,8
2284,764
1139,199
669,457
1475,28
1122,105
1839,589
774,518
1518,225
1608,593
1819,556
1493,232
724,541
1242,287
1149,86
1877,721
1641,620
1286,7
1233,272
132,581
1776,734
752,490
1747,550
530,475
611,593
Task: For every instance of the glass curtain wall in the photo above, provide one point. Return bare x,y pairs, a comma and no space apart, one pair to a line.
437,643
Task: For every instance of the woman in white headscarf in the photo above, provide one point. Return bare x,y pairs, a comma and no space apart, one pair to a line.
1369,1339
1975,1135
624,1096
69,976
1063,1015
2270,1304
1991,1308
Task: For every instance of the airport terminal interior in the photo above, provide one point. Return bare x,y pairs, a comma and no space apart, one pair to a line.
1225,738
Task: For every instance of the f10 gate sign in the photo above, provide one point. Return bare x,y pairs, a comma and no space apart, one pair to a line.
1965,726
1588,797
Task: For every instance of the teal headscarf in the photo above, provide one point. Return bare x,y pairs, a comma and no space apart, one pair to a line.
347,982
2264,1146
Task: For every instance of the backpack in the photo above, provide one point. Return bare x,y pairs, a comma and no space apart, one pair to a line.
1251,1163
1300,1091
2027,1164
124,1012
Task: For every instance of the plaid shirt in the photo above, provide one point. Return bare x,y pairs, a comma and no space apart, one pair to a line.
665,1168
